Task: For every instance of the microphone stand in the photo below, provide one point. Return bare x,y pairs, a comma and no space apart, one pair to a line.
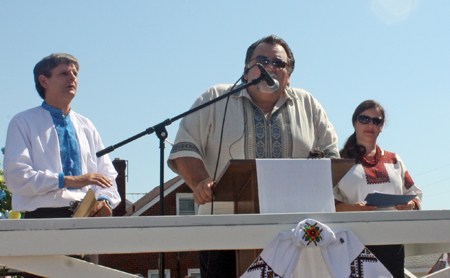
161,133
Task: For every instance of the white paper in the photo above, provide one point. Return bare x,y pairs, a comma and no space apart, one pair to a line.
295,185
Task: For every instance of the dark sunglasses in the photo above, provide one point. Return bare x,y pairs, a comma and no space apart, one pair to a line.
276,63
366,119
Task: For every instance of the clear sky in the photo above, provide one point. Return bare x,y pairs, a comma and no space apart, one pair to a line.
142,62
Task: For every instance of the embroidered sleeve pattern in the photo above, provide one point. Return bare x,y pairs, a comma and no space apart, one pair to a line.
185,146
408,181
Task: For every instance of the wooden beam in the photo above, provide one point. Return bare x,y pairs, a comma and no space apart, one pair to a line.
423,232
61,266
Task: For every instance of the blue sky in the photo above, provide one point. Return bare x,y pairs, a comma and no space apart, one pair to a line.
142,62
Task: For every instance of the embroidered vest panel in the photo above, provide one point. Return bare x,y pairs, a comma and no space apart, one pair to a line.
378,173
267,138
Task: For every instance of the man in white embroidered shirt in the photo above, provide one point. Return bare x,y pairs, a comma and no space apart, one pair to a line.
50,150
259,123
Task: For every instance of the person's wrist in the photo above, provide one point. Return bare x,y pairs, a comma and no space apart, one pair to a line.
204,180
108,204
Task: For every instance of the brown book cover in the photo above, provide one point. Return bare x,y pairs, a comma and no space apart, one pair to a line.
86,205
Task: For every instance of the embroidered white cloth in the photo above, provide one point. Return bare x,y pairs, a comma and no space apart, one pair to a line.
311,250
295,185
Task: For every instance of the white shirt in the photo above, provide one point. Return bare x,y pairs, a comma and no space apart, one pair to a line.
32,161
388,176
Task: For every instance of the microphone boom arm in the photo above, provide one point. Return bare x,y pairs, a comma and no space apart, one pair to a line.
160,128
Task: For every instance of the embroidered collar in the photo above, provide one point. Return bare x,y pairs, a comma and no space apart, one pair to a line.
286,96
54,111
371,161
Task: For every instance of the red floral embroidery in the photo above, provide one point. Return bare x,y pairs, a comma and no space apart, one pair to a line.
312,233
408,181
378,172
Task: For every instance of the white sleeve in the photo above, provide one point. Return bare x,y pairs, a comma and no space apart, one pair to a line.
21,175
326,137
104,166
409,187
194,132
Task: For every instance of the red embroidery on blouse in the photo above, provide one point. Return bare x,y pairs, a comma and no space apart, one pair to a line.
378,173
408,181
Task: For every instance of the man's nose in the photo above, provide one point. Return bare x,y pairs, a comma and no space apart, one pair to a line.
73,76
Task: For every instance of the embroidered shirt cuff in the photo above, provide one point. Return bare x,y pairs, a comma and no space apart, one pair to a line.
103,198
416,207
61,180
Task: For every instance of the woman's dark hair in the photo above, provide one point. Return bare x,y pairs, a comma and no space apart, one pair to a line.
351,149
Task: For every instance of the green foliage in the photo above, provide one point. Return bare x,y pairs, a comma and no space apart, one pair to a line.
5,195
5,204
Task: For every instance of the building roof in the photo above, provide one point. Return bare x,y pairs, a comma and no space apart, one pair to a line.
151,198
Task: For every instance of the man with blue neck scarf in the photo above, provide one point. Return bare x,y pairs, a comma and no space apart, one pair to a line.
50,150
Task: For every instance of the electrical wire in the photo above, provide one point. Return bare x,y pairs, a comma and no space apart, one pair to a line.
221,138
217,165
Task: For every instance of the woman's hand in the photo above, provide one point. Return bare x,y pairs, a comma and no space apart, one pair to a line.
409,206
359,206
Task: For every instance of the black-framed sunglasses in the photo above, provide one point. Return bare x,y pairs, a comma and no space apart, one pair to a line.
276,63
366,120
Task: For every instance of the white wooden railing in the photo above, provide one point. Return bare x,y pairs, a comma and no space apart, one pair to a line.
40,245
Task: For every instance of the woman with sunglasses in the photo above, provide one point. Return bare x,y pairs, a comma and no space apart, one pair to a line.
375,170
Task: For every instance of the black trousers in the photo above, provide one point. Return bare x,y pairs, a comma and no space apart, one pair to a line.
218,264
392,257
63,212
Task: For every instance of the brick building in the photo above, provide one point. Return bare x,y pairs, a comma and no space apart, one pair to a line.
178,200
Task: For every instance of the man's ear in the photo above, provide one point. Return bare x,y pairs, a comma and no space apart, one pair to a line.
43,80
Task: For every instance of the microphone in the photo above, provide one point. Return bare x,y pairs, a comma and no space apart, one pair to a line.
272,84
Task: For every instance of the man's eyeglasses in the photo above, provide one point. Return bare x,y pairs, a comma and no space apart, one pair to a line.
366,120
276,63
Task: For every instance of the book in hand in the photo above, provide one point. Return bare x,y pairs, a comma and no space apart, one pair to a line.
86,205
382,200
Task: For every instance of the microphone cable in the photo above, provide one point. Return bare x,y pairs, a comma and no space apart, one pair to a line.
220,146
218,158
221,137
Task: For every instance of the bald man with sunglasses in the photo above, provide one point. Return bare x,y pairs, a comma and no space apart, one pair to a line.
258,122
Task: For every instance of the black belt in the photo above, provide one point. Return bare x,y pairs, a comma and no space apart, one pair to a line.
63,212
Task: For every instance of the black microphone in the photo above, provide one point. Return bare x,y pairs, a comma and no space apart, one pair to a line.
272,84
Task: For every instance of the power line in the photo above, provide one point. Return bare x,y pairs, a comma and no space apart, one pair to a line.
435,182
440,193
431,170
